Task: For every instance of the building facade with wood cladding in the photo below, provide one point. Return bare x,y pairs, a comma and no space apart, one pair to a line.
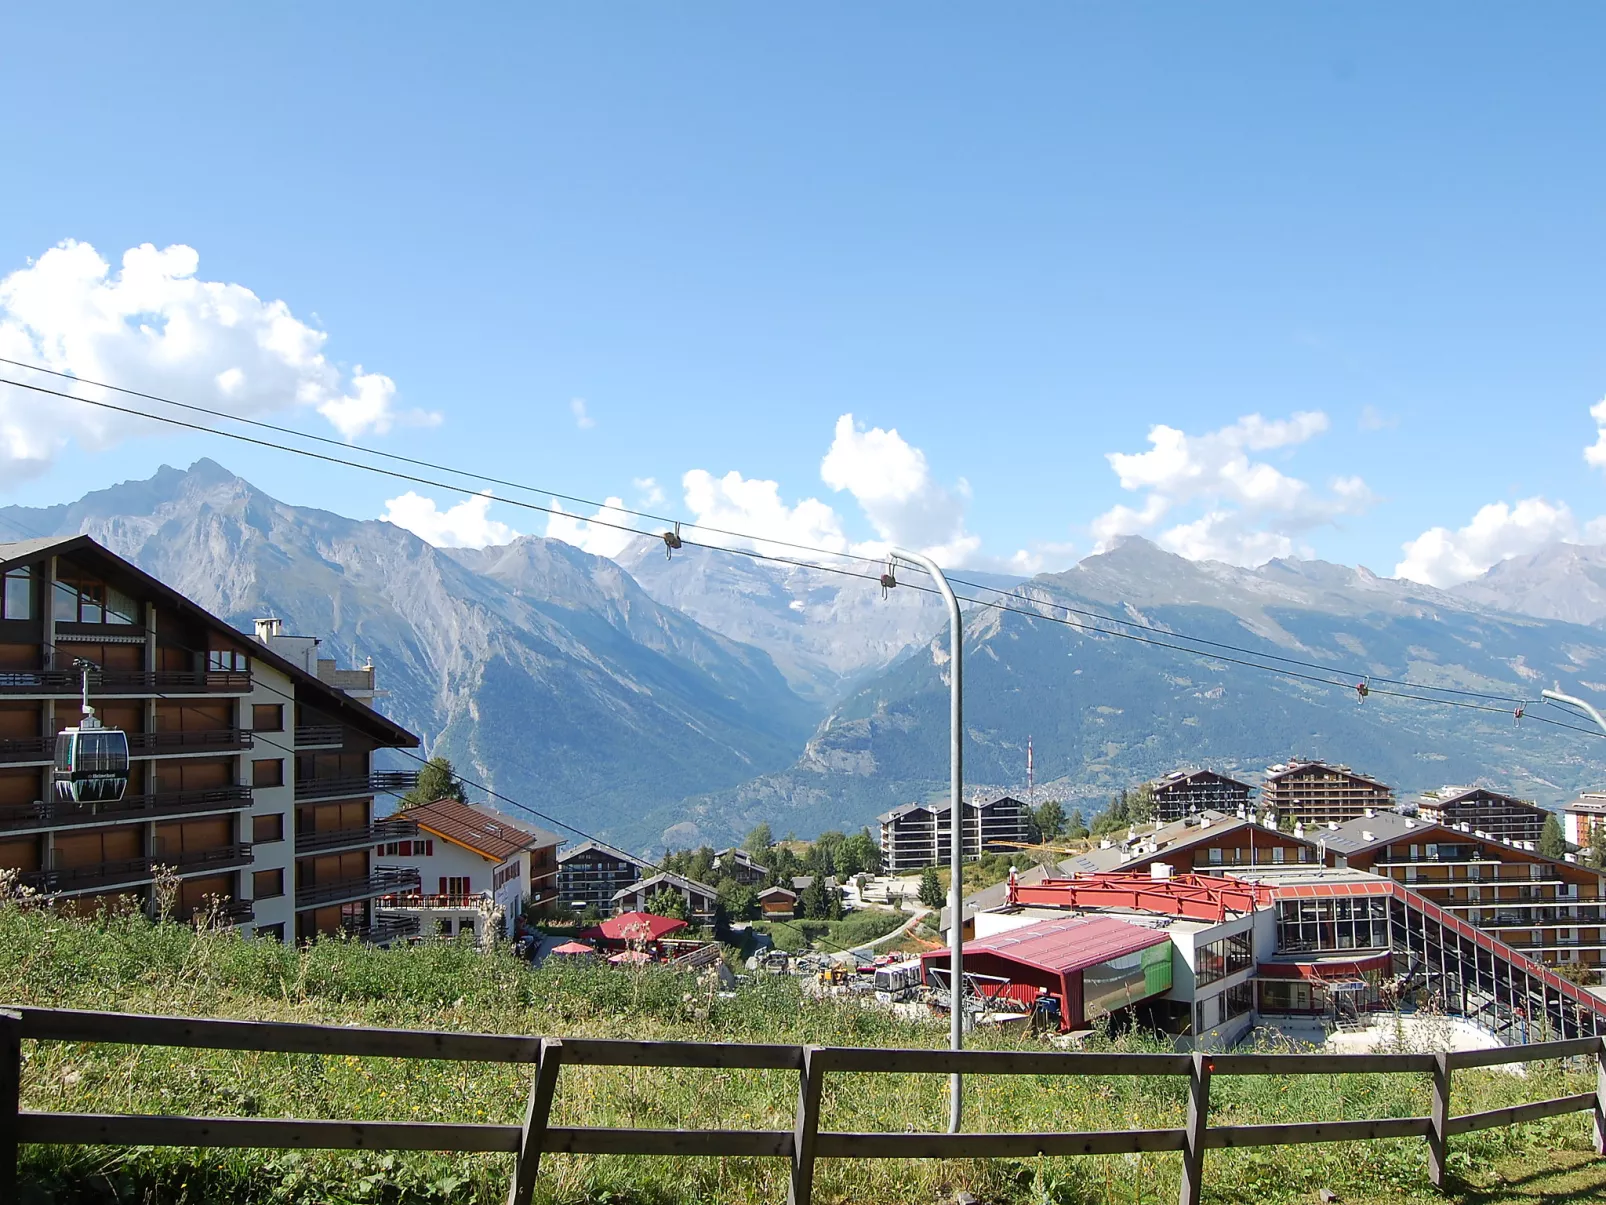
1189,792
250,779
591,874
1313,792
1500,815
1584,820
1549,910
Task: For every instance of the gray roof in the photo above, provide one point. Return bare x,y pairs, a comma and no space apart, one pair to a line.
937,809
1295,767
667,879
1348,838
586,847
1177,777
1171,838
1449,795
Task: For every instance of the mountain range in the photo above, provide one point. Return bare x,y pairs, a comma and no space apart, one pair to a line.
655,700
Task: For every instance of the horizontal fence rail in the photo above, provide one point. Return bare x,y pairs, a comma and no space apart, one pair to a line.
801,1145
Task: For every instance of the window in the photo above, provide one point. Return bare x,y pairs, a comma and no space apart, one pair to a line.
17,602
274,932
227,661
267,717
92,602
267,884
1238,1000
504,874
267,772
455,885
406,849
1225,957
1214,855
267,828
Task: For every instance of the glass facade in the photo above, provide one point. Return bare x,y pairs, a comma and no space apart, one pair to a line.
1225,957
1332,924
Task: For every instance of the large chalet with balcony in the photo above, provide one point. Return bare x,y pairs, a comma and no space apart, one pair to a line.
251,779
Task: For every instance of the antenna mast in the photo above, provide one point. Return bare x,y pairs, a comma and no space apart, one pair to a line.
1029,782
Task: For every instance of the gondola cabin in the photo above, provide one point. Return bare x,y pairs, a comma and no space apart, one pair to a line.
91,763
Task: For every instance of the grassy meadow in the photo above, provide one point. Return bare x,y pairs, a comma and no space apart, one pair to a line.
125,963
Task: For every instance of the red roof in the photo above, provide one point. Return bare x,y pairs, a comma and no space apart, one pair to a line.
1062,946
635,926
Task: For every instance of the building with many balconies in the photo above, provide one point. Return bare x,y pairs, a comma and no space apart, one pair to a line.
1500,815
1189,792
1313,792
917,835
251,781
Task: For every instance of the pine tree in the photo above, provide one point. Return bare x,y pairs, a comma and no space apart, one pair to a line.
437,780
1552,842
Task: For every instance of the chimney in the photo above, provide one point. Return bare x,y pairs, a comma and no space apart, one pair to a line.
1333,824
1370,812
1409,823
1366,834
268,628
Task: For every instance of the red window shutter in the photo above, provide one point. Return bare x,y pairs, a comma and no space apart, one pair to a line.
467,890
443,884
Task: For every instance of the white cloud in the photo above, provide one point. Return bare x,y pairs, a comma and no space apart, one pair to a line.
1251,510
466,524
153,325
651,493
577,406
1373,419
1595,454
754,506
1498,532
593,535
892,483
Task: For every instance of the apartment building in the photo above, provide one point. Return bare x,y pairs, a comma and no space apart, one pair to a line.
738,864
1502,816
1547,909
917,835
1189,792
1211,843
591,874
1584,820
250,779
1313,792
700,899
469,861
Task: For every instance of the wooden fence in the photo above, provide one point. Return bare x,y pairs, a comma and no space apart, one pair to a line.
801,1145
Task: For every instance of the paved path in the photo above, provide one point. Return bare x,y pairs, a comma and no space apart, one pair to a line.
902,929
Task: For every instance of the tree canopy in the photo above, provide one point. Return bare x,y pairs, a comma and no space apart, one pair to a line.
437,780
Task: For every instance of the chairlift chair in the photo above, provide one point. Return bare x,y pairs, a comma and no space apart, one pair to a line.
91,759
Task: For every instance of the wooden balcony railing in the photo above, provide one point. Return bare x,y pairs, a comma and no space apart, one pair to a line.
125,682
50,813
386,880
355,838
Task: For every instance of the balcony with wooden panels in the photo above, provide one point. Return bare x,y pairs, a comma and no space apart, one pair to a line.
54,814
354,838
348,786
383,881
53,683
135,871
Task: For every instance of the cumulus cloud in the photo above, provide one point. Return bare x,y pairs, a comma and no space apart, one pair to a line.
466,524
888,477
892,483
1249,510
582,419
755,506
593,534
1498,532
1595,454
153,324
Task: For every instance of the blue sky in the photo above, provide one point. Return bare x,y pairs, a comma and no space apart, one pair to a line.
1021,239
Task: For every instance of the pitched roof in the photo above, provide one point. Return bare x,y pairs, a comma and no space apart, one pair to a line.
355,711
488,833
1448,796
587,847
1283,769
777,890
1350,837
1179,777
1062,946
941,808
667,879
1168,839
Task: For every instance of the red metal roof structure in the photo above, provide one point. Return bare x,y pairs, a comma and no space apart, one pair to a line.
1196,896
635,926
1062,946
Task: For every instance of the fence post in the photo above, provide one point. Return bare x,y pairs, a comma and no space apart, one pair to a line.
1438,1131
1194,1136
1600,1098
806,1128
528,1160
10,1102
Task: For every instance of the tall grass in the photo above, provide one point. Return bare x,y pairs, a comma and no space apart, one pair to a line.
124,963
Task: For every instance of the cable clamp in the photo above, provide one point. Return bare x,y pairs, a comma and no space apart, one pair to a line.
1522,710
889,579
1362,689
671,542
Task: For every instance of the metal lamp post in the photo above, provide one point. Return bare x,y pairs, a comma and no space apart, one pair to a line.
956,827
1578,703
